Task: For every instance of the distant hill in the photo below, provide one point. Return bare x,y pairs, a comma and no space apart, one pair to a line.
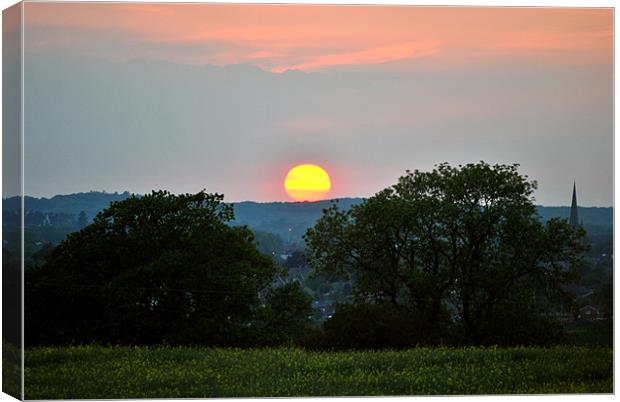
599,216
91,202
279,217
287,219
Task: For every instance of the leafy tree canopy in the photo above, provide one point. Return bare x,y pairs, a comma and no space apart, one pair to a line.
456,245
159,268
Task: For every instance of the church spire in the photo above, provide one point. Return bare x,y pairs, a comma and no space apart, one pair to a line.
574,215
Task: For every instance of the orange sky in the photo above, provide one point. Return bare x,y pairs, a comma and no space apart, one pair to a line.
310,38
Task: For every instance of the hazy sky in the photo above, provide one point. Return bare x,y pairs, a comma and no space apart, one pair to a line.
229,97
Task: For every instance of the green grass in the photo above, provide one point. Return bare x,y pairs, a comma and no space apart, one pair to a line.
125,372
11,369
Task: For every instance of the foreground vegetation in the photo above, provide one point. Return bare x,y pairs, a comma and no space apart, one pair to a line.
453,256
94,372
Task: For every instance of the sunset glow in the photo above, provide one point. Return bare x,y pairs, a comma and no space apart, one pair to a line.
307,183
231,96
277,38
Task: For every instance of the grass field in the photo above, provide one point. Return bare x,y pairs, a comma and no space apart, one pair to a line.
125,372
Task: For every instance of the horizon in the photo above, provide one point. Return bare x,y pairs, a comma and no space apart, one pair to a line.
580,205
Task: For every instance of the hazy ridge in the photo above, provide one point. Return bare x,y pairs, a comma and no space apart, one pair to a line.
287,219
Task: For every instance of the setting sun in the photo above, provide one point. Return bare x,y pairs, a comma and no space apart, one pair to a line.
307,183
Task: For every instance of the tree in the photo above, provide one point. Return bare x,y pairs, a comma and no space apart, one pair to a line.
11,298
160,268
366,326
39,256
285,317
456,245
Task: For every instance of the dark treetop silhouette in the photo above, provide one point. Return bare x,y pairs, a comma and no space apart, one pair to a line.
455,255
459,251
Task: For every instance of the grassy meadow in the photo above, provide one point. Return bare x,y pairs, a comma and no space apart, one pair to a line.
95,372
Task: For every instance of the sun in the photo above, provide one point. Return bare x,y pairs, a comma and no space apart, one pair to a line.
307,183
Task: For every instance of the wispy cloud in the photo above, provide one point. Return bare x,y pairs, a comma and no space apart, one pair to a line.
304,37
366,56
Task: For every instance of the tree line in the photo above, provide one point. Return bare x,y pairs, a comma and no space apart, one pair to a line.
456,255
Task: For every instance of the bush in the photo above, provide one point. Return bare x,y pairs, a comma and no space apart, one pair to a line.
370,326
511,326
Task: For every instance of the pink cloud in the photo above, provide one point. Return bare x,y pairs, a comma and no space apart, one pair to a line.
307,37
367,56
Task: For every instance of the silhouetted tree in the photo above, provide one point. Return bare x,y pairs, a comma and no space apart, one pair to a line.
40,255
461,244
160,268
11,297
